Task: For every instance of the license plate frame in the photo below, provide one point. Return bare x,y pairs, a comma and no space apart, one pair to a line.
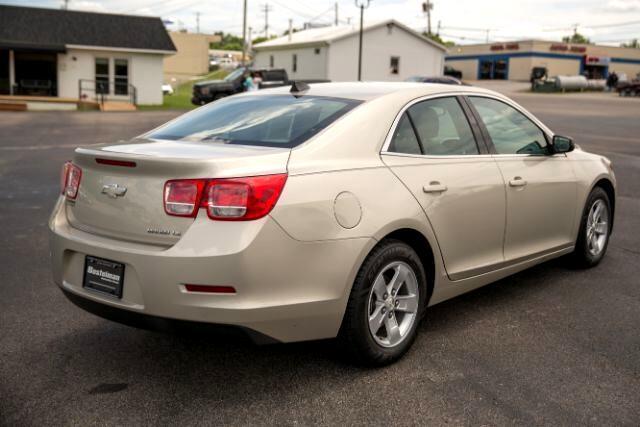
104,276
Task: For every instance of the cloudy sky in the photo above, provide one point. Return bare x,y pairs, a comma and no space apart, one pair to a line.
463,21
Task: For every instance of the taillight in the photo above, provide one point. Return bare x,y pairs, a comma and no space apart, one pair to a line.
70,180
228,199
181,197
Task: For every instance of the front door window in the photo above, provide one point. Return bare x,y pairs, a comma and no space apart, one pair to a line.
511,131
102,76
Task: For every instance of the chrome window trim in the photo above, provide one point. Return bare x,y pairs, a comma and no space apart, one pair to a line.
387,141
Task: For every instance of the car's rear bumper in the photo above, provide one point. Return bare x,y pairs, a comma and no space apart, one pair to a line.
286,289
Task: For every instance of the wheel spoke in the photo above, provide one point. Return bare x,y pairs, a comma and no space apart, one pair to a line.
398,278
393,331
377,319
600,228
380,288
597,214
407,303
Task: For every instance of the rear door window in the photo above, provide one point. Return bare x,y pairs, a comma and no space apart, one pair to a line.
443,128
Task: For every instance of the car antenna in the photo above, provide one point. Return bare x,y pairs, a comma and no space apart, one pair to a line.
298,88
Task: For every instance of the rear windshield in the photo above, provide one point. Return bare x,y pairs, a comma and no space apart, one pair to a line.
271,120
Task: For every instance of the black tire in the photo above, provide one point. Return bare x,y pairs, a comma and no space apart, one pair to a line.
582,257
355,336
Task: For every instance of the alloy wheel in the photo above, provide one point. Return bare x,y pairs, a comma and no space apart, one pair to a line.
597,227
393,304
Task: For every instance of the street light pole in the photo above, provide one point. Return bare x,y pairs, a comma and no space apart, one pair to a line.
244,33
362,5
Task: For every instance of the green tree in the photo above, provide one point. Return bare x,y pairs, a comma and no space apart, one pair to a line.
436,38
633,43
261,39
576,38
227,42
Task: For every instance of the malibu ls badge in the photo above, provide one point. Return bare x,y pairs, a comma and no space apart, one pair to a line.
114,190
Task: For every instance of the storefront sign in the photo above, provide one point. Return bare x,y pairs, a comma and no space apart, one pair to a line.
503,46
597,60
559,47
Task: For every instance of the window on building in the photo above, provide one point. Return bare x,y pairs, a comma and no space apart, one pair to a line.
316,51
102,75
395,65
271,61
294,65
121,74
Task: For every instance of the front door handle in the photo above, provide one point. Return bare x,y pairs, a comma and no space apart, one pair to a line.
434,187
517,182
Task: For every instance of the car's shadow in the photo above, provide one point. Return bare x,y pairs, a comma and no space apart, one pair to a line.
114,357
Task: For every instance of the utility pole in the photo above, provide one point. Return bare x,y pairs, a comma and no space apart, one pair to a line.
250,41
65,5
244,33
290,28
427,6
266,9
438,30
488,29
362,5
198,22
336,10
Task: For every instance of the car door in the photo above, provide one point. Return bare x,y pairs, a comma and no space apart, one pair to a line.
435,151
541,188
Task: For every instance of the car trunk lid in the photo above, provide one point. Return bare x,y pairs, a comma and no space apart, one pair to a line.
121,190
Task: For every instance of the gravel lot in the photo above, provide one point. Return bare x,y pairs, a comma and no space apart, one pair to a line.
548,346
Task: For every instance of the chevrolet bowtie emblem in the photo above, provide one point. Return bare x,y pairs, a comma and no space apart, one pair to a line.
114,190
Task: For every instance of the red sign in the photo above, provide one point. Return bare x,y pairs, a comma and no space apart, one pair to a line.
512,46
580,49
497,47
559,47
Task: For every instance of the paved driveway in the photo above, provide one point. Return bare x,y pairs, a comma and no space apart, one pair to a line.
547,346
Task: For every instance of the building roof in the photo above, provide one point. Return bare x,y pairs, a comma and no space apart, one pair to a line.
327,35
56,29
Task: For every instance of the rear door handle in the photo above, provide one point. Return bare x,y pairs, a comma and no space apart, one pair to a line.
434,187
517,182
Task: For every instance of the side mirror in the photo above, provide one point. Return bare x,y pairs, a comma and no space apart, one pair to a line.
562,144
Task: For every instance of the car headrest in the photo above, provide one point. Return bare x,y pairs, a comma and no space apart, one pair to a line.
426,120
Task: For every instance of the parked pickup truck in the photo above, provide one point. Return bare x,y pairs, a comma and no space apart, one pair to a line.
211,90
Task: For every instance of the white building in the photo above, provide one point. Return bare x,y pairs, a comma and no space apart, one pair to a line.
73,55
391,51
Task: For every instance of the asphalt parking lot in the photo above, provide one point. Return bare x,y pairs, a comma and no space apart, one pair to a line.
551,345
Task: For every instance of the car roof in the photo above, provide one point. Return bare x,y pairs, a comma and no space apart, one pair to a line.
366,91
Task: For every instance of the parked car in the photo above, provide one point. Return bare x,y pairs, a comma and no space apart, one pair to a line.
212,90
628,87
274,212
447,80
450,71
167,89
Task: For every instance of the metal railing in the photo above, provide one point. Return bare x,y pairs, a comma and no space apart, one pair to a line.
101,91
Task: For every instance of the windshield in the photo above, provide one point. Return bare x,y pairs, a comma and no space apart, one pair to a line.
268,120
234,74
